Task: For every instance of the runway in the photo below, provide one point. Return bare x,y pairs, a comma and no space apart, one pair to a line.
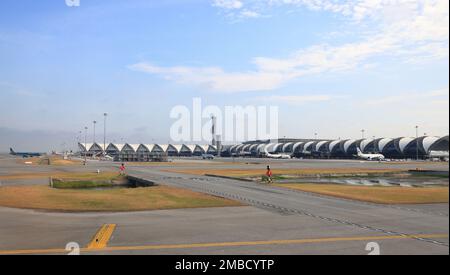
276,220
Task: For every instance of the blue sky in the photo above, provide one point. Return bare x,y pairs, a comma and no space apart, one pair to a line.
333,67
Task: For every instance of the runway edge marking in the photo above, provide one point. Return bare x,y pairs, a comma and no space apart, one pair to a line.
225,244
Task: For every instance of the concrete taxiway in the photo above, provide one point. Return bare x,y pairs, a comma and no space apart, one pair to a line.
276,220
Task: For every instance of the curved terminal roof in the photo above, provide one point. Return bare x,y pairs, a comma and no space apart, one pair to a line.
205,148
240,148
135,147
261,147
246,148
117,147
286,145
276,147
191,147
348,144
254,147
233,148
428,142
269,147
307,146
85,146
178,147
164,147
440,145
320,144
404,142
333,144
97,147
364,143
296,145
396,146
146,147
383,142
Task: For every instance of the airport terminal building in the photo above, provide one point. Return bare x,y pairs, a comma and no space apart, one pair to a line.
426,147
145,152
394,148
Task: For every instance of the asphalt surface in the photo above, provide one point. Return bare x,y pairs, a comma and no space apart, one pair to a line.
276,220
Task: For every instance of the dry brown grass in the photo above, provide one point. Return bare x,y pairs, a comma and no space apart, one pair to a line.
290,172
64,162
54,161
113,200
28,161
382,195
61,175
179,162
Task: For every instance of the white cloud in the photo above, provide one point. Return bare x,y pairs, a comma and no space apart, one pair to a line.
356,9
410,31
228,4
216,79
296,100
272,73
250,14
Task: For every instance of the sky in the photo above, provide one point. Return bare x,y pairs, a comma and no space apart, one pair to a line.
333,67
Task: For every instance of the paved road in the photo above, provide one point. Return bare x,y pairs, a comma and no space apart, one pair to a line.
278,221
391,220
235,230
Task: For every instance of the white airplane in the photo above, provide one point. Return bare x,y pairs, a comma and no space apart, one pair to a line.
107,158
277,156
378,157
439,154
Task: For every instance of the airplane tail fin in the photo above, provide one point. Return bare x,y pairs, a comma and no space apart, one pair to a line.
11,151
359,151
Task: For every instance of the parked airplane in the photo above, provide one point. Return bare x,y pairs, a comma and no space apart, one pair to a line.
378,157
207,156
25,154
276,156
438,154
108,157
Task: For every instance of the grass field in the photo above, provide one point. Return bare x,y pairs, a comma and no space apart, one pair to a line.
88,176
177,162
85,184
90,181
382,195
113,200
107,175
54,160
245,173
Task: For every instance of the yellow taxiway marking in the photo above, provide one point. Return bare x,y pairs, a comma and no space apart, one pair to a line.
102,237
226,244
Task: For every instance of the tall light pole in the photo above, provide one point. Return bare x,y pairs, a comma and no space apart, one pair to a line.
104,133
315,136
213,130
374,145
79,135
417,142
94,122
363,133
85,145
